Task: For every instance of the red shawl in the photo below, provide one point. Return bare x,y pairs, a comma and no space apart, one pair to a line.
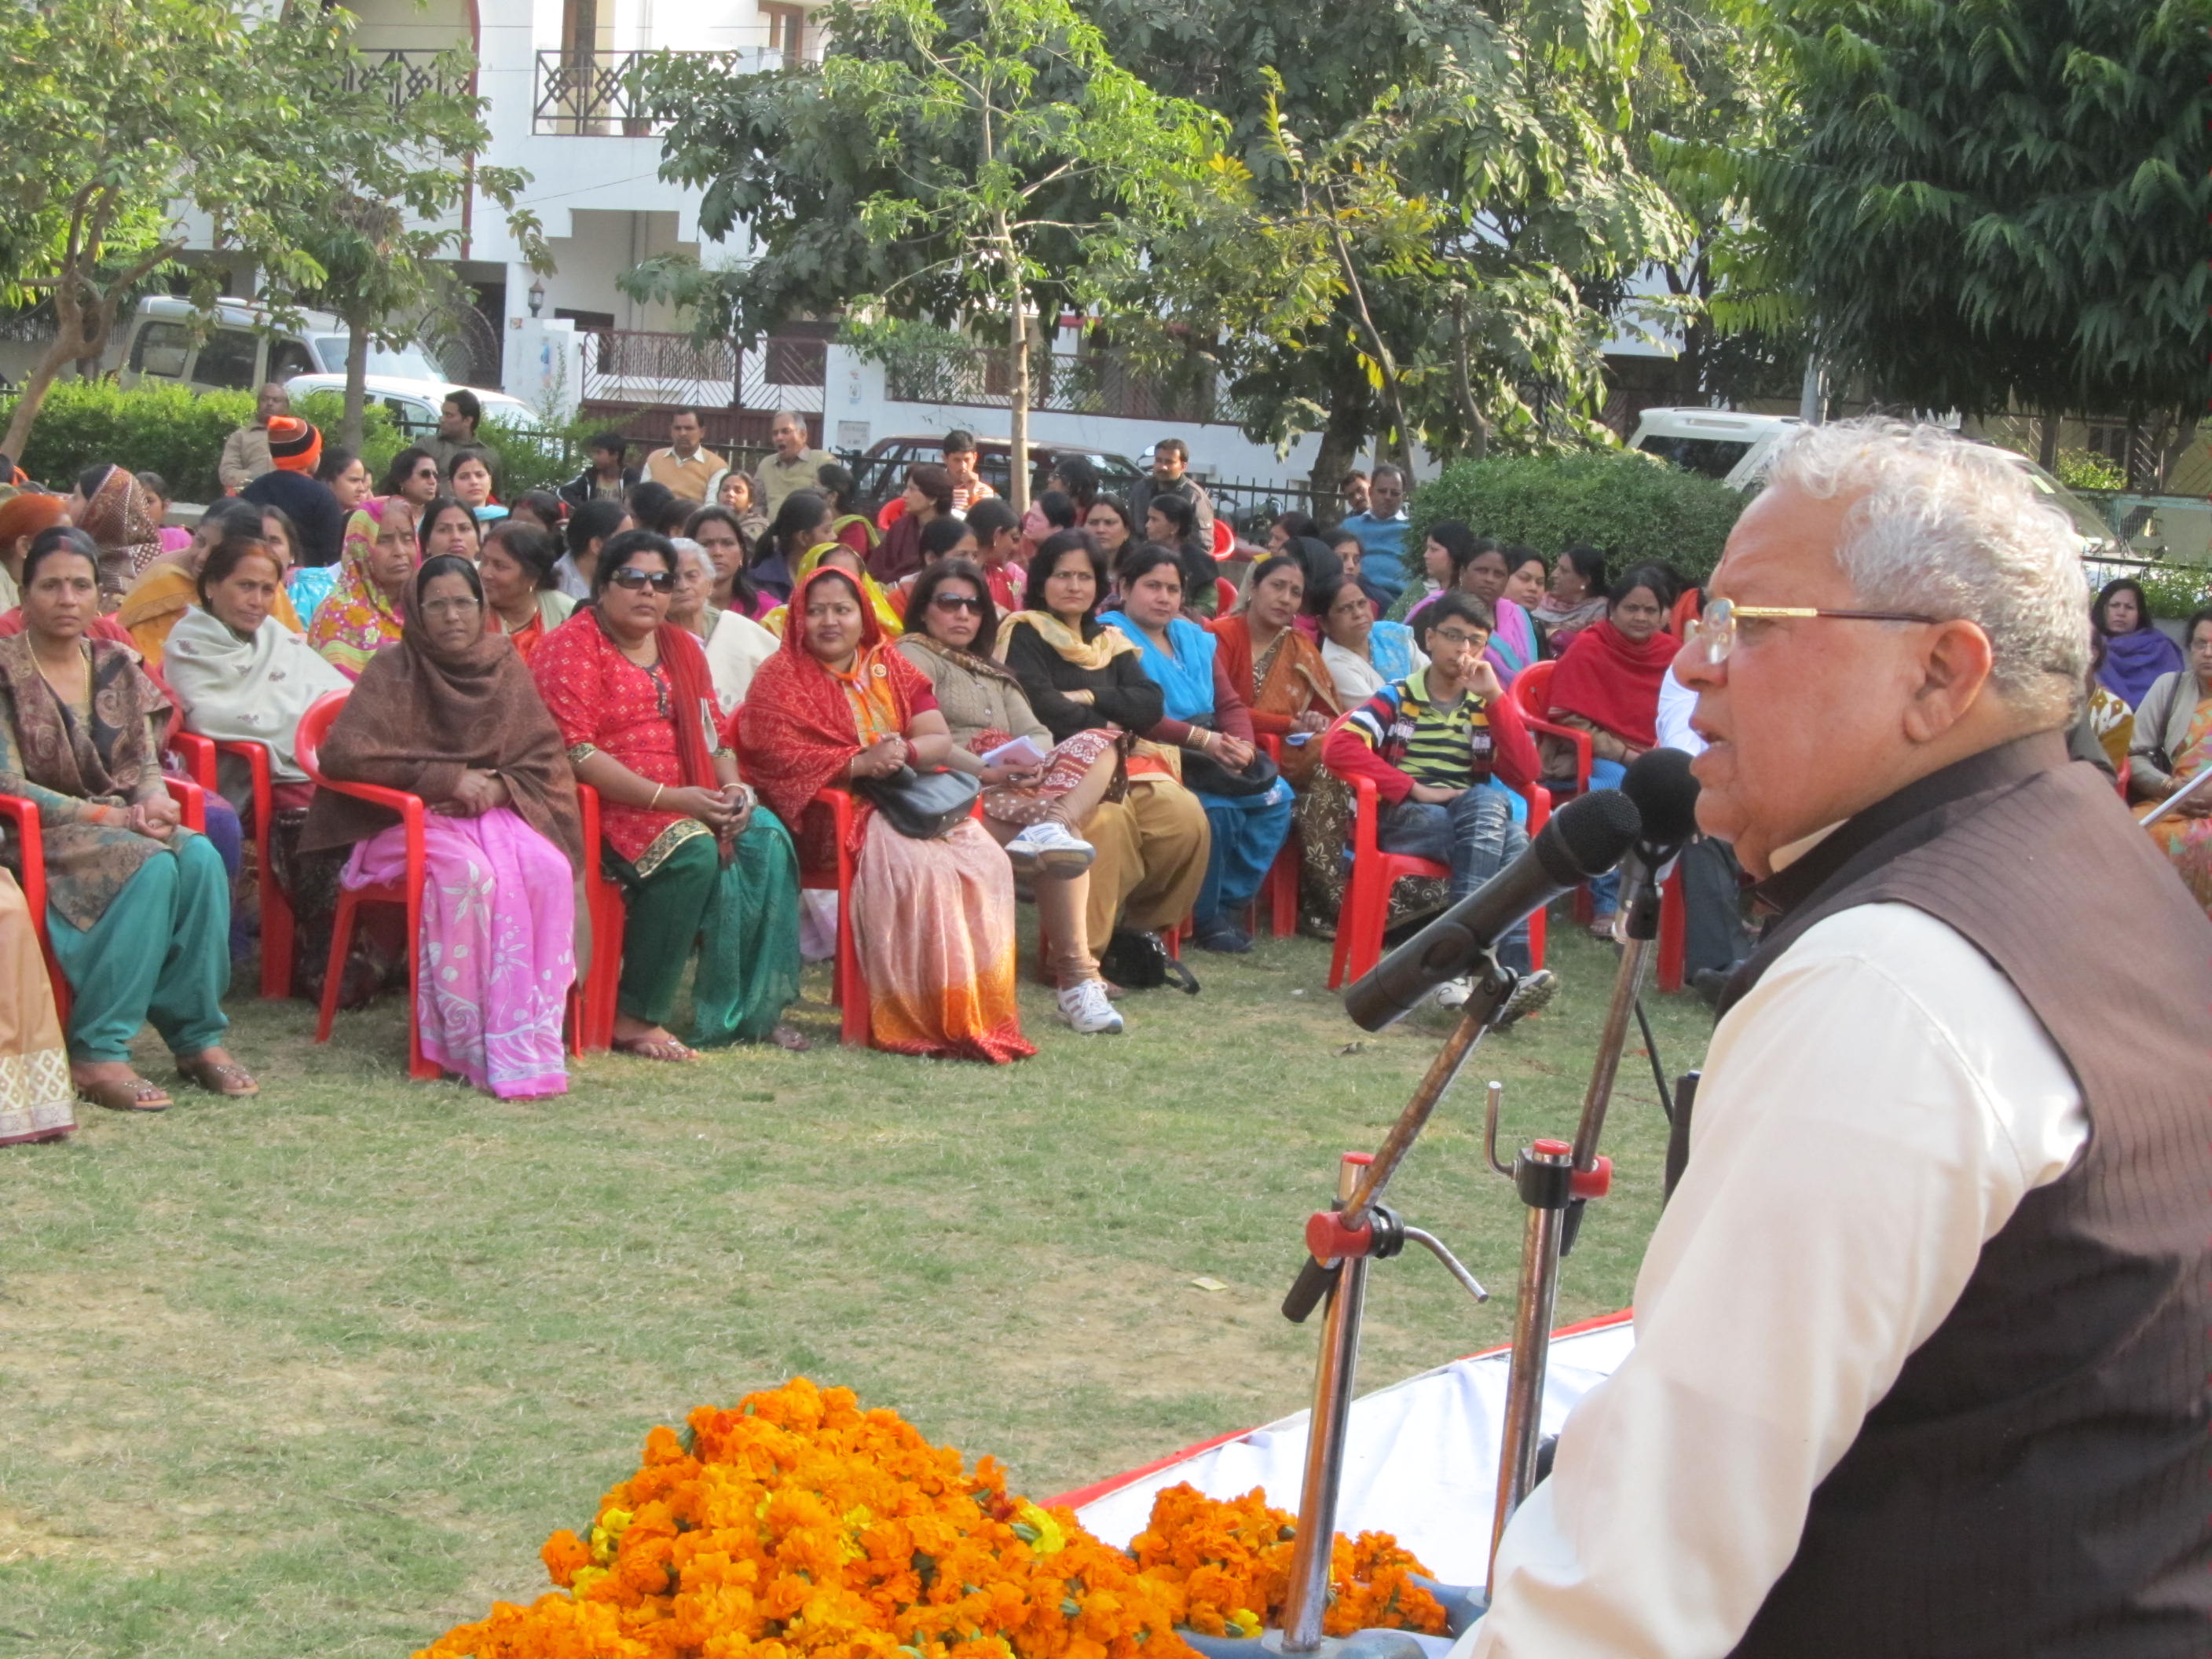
796,728
1613,682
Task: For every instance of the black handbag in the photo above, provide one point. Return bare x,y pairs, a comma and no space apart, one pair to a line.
1206,776
923,805
1138,962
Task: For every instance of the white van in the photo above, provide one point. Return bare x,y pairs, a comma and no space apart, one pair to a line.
1719,443
240,349
1732,446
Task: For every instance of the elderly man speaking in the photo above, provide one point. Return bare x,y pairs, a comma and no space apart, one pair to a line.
1922,1355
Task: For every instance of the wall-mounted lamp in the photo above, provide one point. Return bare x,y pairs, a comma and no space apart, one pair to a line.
537,296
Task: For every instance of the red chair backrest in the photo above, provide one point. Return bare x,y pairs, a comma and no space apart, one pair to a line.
314,726
1687,608
1532,688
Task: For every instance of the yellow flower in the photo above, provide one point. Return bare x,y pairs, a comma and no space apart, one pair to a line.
1037,1528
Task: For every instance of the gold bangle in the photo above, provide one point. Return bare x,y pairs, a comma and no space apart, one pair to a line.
658,790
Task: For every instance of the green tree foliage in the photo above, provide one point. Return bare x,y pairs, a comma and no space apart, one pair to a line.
1501,131
2003,201
948,163
1629,505
127,119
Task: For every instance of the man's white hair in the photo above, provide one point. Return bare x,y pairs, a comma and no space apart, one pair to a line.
1953,528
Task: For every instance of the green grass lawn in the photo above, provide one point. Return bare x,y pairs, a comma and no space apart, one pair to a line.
317,1373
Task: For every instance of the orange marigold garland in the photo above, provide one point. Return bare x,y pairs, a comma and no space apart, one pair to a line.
798,1524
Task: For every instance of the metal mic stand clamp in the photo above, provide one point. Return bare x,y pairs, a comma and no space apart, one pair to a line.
1340,1242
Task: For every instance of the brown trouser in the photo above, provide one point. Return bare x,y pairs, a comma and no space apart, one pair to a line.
1152,850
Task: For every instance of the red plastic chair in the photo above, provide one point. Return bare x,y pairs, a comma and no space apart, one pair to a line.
603,903
198,755
1375,873
585,1020
848,985
23,815
1532,690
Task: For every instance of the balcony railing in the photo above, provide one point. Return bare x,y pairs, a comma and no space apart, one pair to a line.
663,370
406,75
600,95
1087,383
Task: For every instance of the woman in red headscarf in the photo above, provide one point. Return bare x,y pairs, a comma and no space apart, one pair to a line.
1607,685
933,920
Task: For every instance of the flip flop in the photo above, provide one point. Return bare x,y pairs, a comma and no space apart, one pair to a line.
225,1077
131,1094
791,1039
665,1050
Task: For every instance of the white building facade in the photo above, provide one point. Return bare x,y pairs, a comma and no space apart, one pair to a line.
554,73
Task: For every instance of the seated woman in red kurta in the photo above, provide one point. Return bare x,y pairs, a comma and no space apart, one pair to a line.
700,864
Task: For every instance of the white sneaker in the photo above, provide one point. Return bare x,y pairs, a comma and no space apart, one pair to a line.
1084,1007
1530,992
1049,848
1453,993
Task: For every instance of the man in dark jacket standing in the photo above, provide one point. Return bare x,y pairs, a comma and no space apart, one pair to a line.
1922,1337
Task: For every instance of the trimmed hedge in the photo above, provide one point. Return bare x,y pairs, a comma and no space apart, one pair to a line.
166,429
1632,507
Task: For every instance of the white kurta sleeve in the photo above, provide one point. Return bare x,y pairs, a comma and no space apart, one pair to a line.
1870,1116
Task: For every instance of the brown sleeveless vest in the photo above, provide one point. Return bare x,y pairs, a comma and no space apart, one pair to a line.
2039,1481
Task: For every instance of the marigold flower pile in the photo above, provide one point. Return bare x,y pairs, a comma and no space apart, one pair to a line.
796,1524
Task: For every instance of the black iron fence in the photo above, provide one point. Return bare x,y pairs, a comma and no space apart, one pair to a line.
600,95
1087,383
650,368
405,74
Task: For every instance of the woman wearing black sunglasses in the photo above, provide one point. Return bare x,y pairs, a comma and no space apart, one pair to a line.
1034,803
702,864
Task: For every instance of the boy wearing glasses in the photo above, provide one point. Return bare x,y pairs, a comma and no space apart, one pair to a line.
1434,743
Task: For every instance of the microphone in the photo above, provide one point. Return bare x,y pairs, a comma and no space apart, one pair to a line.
1585,838
1665,797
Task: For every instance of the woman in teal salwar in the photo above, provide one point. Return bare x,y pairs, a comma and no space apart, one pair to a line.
137,905
700,863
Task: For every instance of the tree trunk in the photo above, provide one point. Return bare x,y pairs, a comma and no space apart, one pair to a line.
1018,412
1379,348
1478,429
69,344
2047,446
1341,436
356,391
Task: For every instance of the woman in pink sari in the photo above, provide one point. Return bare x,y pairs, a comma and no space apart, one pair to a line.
453,716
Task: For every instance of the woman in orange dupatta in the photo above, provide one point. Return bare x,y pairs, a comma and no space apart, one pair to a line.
933,920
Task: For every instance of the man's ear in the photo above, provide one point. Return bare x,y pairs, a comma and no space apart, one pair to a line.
1955,665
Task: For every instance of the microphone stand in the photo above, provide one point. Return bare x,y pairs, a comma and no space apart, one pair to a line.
1554,1180
1340,1243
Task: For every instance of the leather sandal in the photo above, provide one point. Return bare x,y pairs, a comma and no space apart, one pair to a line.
666,1049
225,1077
125,1094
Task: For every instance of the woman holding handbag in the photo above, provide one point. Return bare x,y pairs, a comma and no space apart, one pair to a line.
1247,805
933,896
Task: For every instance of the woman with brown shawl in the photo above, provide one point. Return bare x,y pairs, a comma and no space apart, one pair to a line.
137,905
123,517
452,716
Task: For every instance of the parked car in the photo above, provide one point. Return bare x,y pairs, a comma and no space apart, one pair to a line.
240,347
1731,446
882,470
413,403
